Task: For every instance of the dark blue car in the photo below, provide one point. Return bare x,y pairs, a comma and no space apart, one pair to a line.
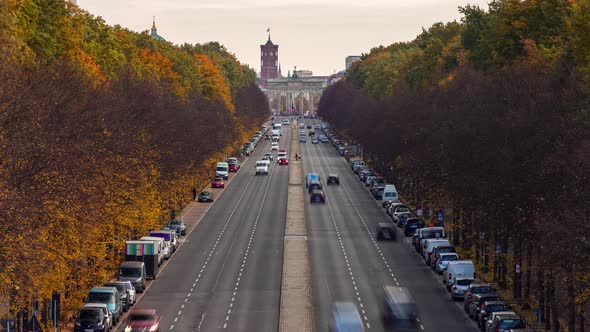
91,319
178,226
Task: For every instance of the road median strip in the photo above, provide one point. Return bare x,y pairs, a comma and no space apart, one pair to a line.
296,312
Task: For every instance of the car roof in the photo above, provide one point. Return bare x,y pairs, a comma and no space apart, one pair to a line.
332,175
103,289
317,191
494,302
132,264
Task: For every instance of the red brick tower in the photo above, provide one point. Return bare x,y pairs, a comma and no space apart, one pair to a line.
269,56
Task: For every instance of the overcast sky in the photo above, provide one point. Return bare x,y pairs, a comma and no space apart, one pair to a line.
312,34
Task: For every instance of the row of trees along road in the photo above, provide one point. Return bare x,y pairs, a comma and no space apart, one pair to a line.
102,131
489,118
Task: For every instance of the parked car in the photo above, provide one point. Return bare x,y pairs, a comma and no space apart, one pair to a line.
400,218
91,319
333,179
317,196
217,183
133,272
392,206
142,320
463,268
122,288
440,250
222,170
487,308
478,301
443,261
460,286
178,225
479,288
234,164
205,196
428,246
412,224
105,311
109,296
505,323
346,318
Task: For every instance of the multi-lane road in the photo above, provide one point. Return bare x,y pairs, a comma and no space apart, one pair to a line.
227,273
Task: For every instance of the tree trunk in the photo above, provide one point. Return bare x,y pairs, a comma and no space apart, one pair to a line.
571,297
529,266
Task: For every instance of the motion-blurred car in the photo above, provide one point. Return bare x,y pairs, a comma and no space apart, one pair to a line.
178,225
400,218
314,185
143,320
317,196
283,161
205,196
385,231
346,318
400,308
217,183
333,179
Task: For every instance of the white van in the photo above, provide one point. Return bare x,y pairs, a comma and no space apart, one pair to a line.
429,245
458,269
390,194
428,233
222,170
262,167
160,244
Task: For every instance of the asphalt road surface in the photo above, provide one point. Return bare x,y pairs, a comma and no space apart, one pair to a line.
349,264
227,274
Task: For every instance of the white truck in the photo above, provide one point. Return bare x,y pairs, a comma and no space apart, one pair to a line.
262,167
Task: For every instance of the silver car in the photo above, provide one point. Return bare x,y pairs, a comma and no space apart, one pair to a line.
443,261
460,286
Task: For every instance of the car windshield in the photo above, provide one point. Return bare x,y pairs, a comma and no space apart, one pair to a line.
177,222
90,314
101,297
449,258
204,193
496,307
511,324
482,290
129,272
402,209
464,282
119,287
217,179
222,168
142,317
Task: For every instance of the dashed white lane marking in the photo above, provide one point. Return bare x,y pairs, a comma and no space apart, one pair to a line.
212,251
246,253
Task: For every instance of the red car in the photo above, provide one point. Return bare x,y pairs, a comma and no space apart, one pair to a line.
234,164
143,320
217,183
283,161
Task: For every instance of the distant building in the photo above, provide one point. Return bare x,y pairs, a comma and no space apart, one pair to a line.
350,60
303,73
269,62
154,32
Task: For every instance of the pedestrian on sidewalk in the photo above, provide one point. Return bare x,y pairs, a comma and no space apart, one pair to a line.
194,194
296,156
